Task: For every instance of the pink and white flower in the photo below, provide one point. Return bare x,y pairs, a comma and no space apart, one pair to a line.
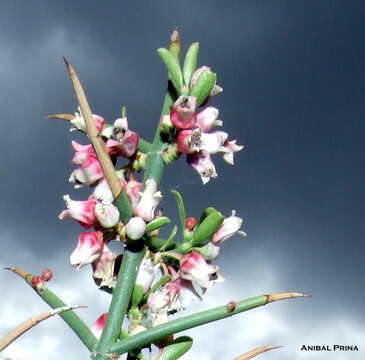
103,268
135,228
191,141
231,147
202,163
89,247
230,226
103,193
89,170
98,325
124,145
107,215
193,267
183,114
146,273
133,189
81,211
150,198
79,122
208,118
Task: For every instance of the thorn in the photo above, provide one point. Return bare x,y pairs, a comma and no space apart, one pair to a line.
68,117
283,296
23,274
253,353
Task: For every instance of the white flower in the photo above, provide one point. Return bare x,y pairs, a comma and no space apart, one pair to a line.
150,198
229,227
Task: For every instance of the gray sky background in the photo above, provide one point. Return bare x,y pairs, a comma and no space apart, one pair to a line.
294,87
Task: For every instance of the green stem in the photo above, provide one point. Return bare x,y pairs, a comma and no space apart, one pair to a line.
121,297
131,260
184,323
70,317
154,162
144,145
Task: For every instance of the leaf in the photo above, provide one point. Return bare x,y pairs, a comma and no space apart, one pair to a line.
176,349
173,67
204,86
157,223
180,207
190,61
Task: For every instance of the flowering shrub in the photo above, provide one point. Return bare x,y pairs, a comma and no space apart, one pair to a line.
156,275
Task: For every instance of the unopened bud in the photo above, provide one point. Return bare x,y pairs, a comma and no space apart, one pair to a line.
36,281
46,275
135,228
190,223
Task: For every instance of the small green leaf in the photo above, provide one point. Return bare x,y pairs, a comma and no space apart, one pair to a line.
157,243
180,207
173,67
176,349
204,86
190,61
207,228
157,223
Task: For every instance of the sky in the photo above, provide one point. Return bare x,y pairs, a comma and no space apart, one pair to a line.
293,80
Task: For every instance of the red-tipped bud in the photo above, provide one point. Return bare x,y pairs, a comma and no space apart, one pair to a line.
98,325
36,281
46,275
190,223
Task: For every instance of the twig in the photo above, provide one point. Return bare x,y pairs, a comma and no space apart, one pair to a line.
33,321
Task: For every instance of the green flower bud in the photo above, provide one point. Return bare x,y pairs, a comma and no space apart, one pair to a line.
207,228
157,223
201,90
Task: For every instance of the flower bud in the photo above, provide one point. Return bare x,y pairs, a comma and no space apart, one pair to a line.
203,87
98,325
89,247
135,228
46,275
207,228
183,112
190,223
107,215
36,281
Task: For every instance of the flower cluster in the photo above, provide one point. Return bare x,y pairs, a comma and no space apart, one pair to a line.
174,271
98,212
173,274
193,126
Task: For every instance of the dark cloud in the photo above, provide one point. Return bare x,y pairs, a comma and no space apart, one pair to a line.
294,85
